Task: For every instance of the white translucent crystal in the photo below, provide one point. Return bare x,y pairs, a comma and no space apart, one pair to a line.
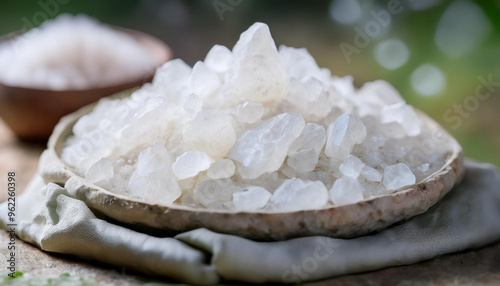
154,179
187,184
303,161
289,171
124,166
249,112
147,126
190,164
263,148
221,169
215,193
299,63
347,131
304,151
116,184
296,194
372,96
123,169
393,130
212,132
404,115
371,189
172,78
346,190
352,167
309,97
219,58
256,72
192,102
251,199
371,174
338,102
188,201
343,86
312,137
269,181
397,176
203,81
101,170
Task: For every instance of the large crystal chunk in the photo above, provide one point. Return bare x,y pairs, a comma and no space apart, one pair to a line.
397,176
215,193
203,81
101,170
371,174
347,131
304,151
253,198
172,78
249,112
154,179
404,115
352,167
221,169
219,58
190,164
263,148
256,73
308,97
296,194
346,190
299,64
212,132
372,96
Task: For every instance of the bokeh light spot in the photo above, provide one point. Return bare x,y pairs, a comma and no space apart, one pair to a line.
391,54
345,11
428,80
461,28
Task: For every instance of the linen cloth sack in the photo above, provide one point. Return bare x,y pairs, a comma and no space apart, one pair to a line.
50,217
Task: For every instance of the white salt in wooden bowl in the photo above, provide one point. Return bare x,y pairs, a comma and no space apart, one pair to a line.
344,221
31,112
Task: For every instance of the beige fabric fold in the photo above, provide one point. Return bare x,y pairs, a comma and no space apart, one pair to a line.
54,221
468,217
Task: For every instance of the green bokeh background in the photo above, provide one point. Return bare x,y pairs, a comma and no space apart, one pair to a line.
191,28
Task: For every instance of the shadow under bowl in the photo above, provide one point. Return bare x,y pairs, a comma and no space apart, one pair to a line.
32,113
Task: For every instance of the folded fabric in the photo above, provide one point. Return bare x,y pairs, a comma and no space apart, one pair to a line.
51,218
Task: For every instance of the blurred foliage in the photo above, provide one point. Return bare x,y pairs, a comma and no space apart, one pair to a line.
192,27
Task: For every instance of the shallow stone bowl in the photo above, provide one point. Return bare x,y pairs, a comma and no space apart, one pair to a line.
364,217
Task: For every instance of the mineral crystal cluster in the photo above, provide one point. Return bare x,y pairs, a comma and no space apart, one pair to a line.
254,128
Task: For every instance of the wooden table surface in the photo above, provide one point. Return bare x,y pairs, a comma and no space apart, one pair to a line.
473,267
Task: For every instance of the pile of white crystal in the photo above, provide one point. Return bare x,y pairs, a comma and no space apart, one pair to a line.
72,52
253,129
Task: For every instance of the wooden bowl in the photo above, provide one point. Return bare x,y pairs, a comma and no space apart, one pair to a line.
32,113
344,221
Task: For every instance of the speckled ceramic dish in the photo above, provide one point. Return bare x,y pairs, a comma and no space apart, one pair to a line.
345,221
